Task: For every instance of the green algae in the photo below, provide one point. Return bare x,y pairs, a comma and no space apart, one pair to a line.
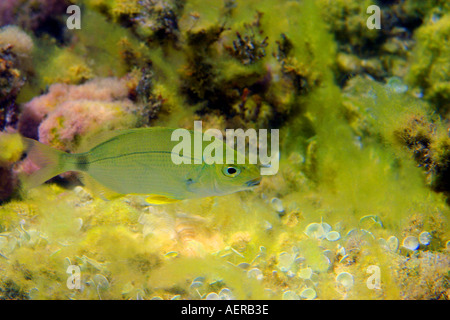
348,153
430,63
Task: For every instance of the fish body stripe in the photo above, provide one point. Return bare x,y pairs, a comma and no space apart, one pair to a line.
84,162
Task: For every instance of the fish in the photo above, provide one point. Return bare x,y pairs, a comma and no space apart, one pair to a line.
139,162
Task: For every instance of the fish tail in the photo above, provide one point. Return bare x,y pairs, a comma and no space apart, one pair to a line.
51,162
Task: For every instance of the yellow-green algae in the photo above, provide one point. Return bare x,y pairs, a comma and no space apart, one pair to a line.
430,67
341,160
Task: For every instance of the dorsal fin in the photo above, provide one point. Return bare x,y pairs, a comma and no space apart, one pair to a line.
95,139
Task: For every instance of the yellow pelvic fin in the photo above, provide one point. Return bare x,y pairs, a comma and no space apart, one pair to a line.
156,199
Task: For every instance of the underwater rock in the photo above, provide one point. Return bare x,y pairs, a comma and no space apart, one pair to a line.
308,294
277,205
319,230
149,102
255,273
333,236
425,238
226,294
247,49
21,45
350,64
345,279
411,243
10,83
378,52
429,66
212,296
396,84
302,78
305,273
392,243
430,146
290,295
371,220
424,276
15,66
38,16
286,261
315,230
408,125
240,240
8,182
11,148
347,20
160,18
222,85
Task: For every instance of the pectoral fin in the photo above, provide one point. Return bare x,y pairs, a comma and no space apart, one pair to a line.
157,199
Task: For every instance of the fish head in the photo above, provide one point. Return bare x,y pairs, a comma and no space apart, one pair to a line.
215,178
231,178
222,179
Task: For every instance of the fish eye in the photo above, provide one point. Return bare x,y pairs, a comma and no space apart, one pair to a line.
231,171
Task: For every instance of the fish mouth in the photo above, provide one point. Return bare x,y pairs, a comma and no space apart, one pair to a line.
253,182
